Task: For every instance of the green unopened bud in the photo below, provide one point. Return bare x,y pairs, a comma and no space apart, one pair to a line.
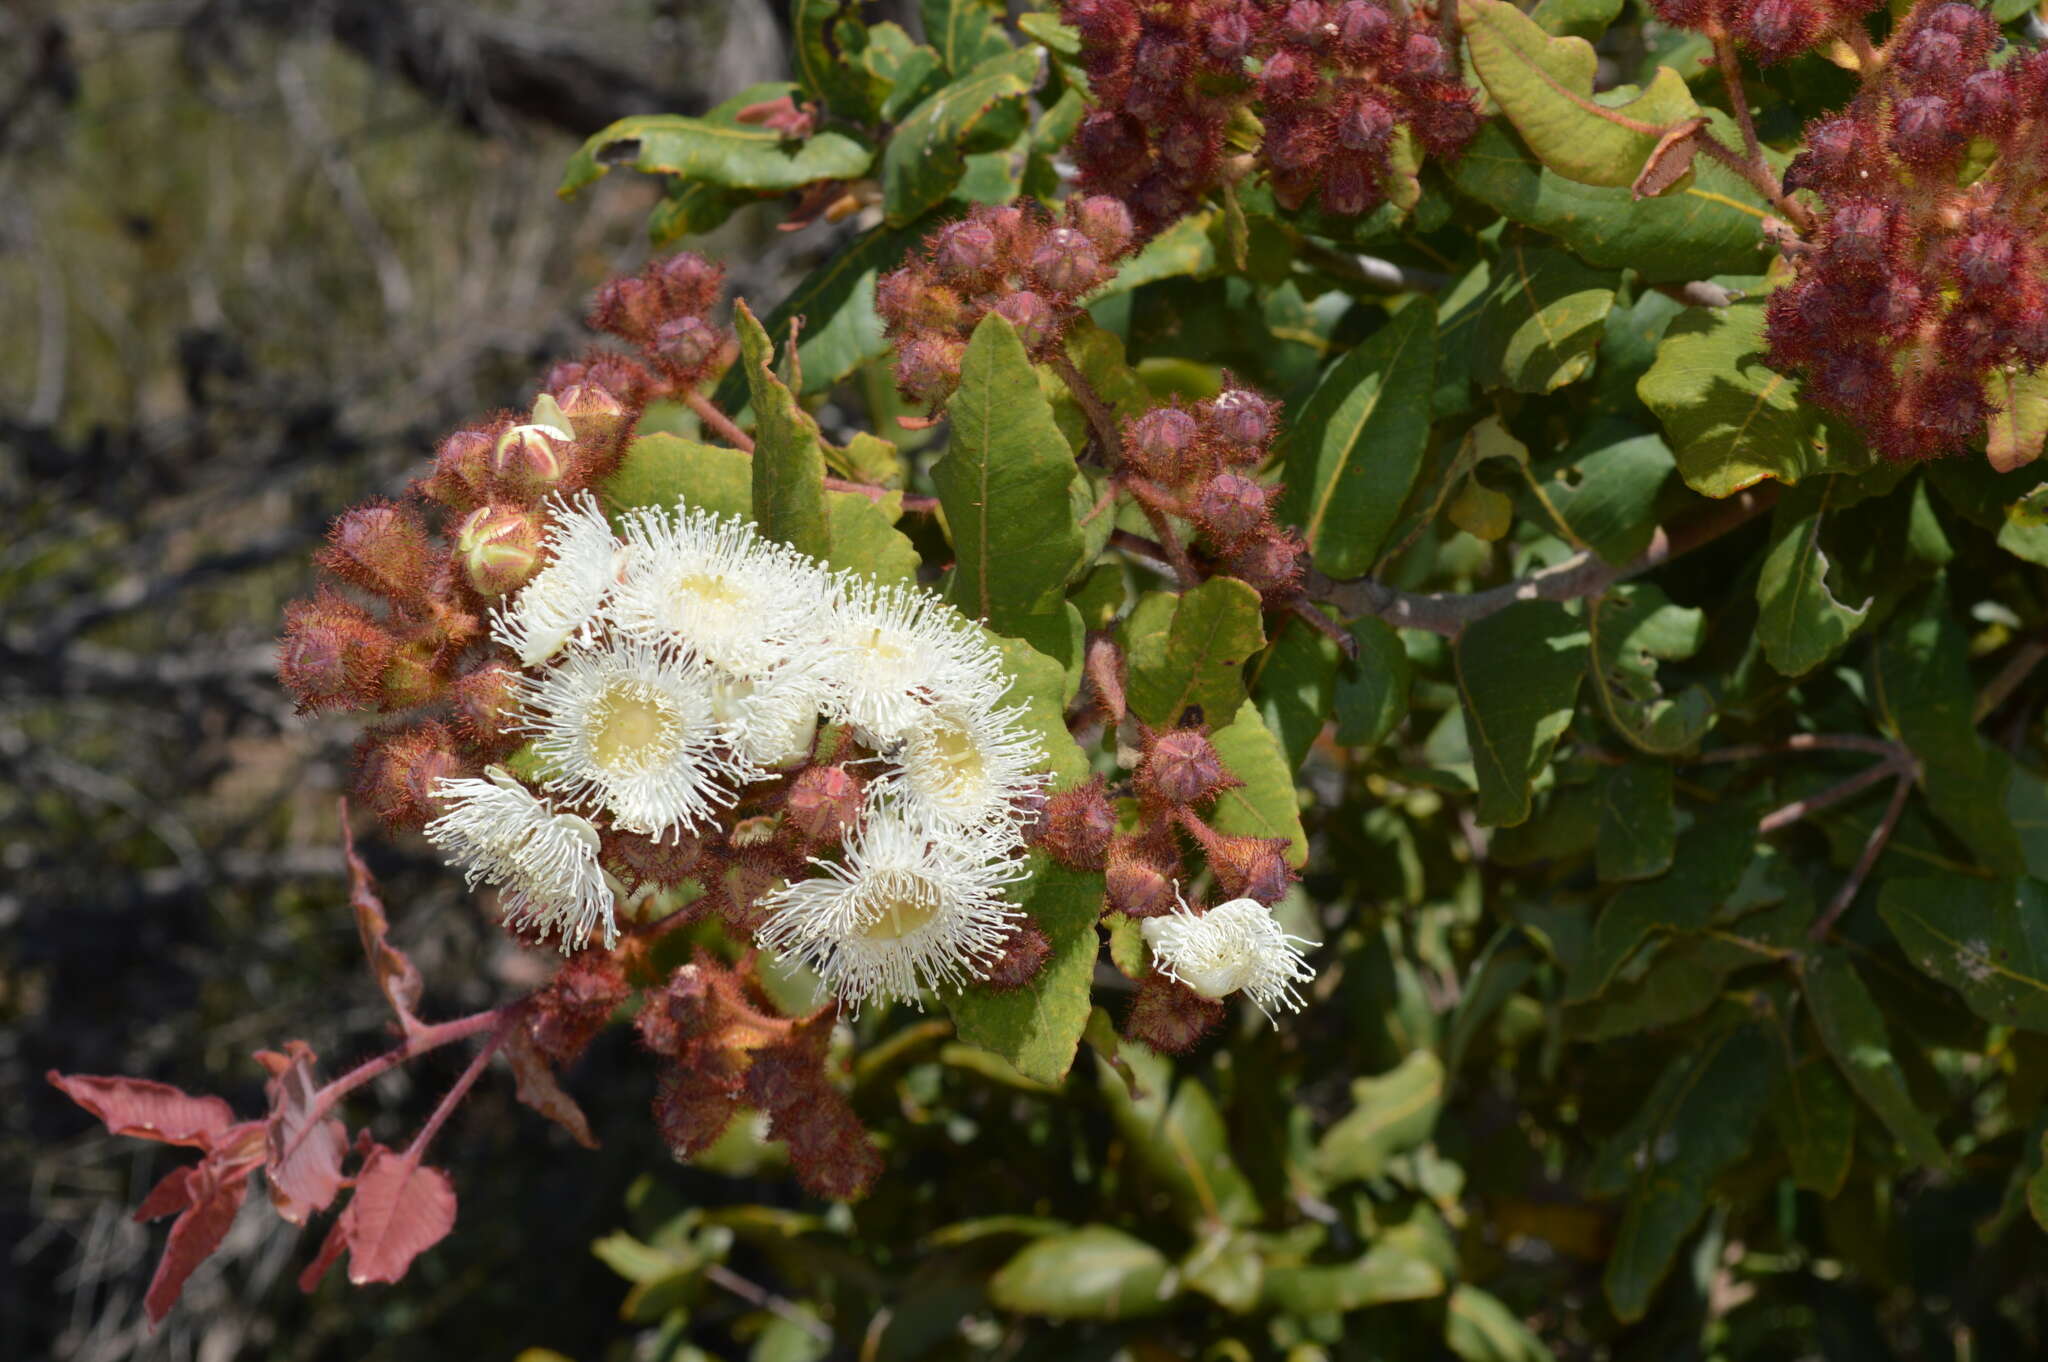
498,548
529,460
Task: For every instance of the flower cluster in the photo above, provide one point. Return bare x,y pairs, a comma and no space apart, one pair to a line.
1925,283
1196,462
1014,260
1335,83
1769,30
686,676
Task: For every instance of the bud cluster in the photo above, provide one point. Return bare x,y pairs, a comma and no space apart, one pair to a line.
1925,281
1196,462
1769,30
1334,80
1014,260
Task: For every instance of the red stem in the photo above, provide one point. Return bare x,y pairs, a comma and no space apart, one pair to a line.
717,421
418,1043
419,1144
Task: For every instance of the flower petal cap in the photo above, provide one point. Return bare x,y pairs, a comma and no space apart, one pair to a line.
1234,947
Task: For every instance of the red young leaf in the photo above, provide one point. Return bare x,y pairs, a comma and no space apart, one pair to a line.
539,1090
302,1155
147,1110
330,1252
400,1210
197,1232
173,1193
396,974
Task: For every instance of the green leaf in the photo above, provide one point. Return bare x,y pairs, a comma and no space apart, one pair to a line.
965,32
1294,684
1186,248
1853,1030
1266,805
2019,418
1586,19
865,538
1037,1028
1518,678
789,462
1003,483
1986,940
1353,452
1920,683
829,44
1389,1115
927,154
1372,689
1182,1142
1384,1275
1038,685
1188,652
1479,1328
1638,821
1545,87
1814,1114
1708,227
1542,321
1228,1268
1093,1273
1699,1124
1607,483
661,470
1634,628
691,208
731,156
841,330
1730,419
1800,623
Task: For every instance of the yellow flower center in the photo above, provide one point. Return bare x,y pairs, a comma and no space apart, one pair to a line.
907,907
953,764
632,728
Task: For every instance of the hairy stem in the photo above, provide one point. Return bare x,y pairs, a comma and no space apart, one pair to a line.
717,421
1759,176
449,1103
1872,849
1101,420
412,1047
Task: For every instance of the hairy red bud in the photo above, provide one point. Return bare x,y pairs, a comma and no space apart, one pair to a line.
1036,323
824,802
1362,23
1159,443
1138,885
966,252
1169,1016
1024,955
1366,125
1183,768
1302,22
380,547
333,654
1230,507
1066,262
1105,222
484,703
528,461
1078,825
1924,131
1269,564
1250,867
639,859
462,469
396,772
690,344
497,548
1241,417
1422,54
928,368
1228,39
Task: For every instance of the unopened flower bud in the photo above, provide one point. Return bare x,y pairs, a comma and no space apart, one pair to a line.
1137,885
528,461
1024,954
1923,130
596,415
1423,55
1032,316
1347,187
1169,1016
1183,768
1985,258
1250,867
1113,143
1160,443
1104,221
966,252
410,678
1302,22
396,772
485,702
638,859
1228,40
1362,23
1366,125
1268,564
928,368
1930,53
1066,262
1242,418
1078,825
825,802
1985,103
498,548
688,281
332,653
462,470
1860,231
1777,29
691,344
380,547
1157,59
1231,507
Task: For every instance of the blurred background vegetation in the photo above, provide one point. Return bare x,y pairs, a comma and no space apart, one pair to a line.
255,258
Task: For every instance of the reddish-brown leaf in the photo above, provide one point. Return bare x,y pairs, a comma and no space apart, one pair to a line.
538,1089
302,1155
330,1252
1670,160
173,1193
400,1210
147,1110
396,974
195,1234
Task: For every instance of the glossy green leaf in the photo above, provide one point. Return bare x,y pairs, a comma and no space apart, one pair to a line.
691,208
1607,483
1372,689
1814,1114
1545,87
1294,684
1707,227
789,462
927,153
1586,19
1698,1125
1228,1268
1003,483
1178,1135
1479,1327
1095,1272
731,156
1187,653
1543,319
1634,628
1518,678
830,39
1267,804
1353,451
964,32
1389,1115
1382,1276
2019,418
1730,419
1853,1029
1037,1028
1800,622
1986,939
1638,821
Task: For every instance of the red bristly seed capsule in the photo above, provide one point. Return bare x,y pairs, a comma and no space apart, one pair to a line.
1031,315
1230,507
824,802
1183,768
1159,442
1078,825
1136,885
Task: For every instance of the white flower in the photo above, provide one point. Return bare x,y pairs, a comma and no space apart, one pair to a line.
896,651
905,911
773,716
629,727
545,862
1234,946
564,596
962,766
712,585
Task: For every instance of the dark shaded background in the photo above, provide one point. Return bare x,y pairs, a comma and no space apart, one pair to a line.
255,257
